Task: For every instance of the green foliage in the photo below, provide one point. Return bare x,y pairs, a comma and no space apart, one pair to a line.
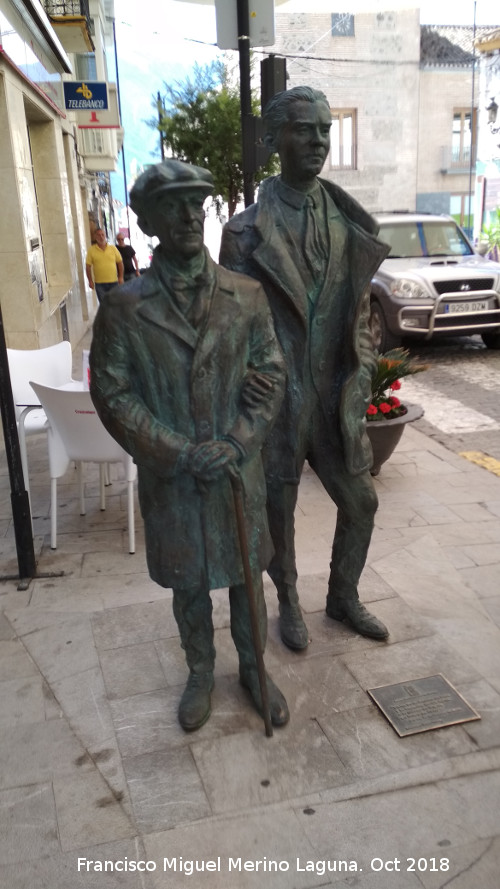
200,122
491,233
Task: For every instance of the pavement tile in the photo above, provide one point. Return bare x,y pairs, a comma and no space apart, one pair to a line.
276,836
472,866
477,798
22,700
165,789
132,669
146,723
486,701
6,631
100,564
492,606
15,662
414,659
64,649
368,745
485,581
40,752
87,540
29,825
319,685
82,698
60,871
88,812
310,763
483,554
131,624
389,825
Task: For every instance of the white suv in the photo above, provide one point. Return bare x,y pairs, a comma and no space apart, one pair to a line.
432,283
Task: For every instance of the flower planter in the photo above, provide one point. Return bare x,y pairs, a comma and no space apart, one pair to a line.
384,435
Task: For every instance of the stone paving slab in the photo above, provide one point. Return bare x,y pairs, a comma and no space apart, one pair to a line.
93,763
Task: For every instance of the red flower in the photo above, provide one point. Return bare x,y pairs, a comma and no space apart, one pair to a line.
372,410
385,408
396,385
394,402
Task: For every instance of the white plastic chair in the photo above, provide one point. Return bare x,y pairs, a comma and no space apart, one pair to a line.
76,433
51,367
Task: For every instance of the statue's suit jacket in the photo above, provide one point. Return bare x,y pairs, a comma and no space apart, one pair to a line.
333,336
159,385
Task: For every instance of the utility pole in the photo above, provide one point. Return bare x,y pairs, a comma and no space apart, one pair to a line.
247,124
159,104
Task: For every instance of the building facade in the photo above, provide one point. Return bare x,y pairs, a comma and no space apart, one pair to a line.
488,149
52,192
404,104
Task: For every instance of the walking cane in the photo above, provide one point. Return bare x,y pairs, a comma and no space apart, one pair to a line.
237,487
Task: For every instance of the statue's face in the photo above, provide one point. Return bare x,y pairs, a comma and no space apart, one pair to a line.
177,221
304,142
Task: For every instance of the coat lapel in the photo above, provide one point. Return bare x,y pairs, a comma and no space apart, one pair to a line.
157,307
275,253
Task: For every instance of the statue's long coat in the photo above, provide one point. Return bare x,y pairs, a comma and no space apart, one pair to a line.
335,338
158,385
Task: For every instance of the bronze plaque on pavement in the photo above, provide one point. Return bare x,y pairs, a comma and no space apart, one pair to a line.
420,705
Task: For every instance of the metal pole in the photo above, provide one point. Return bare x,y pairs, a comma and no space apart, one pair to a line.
245,100
473,130
160,106
237,487
124,168
19,496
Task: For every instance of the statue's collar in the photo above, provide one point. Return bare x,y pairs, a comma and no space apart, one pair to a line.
298,199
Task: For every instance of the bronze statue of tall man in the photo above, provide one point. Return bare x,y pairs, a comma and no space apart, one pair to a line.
314,250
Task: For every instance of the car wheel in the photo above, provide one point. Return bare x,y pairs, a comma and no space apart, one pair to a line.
491,340
383,339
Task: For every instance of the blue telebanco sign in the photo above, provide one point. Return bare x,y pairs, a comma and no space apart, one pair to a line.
88,95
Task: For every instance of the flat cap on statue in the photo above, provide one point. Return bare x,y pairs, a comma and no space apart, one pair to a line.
169,177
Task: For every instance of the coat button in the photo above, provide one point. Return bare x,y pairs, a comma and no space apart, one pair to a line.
201,373
204,426
320,320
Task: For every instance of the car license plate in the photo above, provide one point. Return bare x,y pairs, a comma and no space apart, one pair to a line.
464,308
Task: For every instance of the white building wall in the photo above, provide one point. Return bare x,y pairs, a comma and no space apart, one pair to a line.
377,73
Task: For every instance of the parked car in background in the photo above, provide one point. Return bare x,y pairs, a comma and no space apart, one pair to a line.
432,284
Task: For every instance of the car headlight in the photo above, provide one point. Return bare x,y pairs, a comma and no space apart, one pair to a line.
405,288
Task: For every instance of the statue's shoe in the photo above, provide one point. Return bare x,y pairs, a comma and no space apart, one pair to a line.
360,619
293,630
278,707
195,704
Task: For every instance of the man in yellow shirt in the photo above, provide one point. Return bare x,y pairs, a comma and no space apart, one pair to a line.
105,264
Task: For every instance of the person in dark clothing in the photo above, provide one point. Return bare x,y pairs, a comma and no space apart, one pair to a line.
130,263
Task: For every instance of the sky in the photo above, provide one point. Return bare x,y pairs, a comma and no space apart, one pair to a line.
159,40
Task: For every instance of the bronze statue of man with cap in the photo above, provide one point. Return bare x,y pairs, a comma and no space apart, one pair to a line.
170,358
314,250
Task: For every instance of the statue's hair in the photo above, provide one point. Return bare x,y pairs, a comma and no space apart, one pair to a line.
276,112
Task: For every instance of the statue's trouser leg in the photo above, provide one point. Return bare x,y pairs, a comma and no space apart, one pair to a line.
281,502
193,613
241,632
356,501
241,629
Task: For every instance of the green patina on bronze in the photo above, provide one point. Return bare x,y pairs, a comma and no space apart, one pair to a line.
314,250
171,358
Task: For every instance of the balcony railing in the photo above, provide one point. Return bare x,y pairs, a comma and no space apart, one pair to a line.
67,7
454,160
72,22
